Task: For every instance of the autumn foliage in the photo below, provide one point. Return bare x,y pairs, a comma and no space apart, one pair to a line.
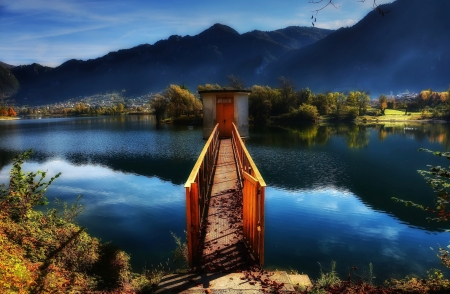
7,111
430,98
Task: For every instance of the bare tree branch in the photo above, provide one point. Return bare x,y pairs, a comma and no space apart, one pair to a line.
329,2
326,3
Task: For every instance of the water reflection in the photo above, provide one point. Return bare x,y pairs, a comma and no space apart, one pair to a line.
329,224
136,213
356,135
131,144
329,195
352,158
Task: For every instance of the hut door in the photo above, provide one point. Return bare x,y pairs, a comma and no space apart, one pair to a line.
225,115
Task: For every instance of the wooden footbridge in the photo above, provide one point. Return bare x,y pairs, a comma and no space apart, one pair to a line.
225,206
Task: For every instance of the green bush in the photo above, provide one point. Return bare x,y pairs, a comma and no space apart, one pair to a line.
352,113
305,113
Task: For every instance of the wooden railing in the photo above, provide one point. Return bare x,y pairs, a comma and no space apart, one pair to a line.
253,192
198,187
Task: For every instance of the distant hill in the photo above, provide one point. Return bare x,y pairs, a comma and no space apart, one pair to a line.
5,65
8,82
191,60
408,48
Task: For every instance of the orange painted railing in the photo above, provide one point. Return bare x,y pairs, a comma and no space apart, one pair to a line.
253,193
198,187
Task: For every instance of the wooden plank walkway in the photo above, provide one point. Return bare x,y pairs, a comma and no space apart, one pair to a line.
223,249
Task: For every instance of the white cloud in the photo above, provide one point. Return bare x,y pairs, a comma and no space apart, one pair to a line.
385,232
94,183
336,24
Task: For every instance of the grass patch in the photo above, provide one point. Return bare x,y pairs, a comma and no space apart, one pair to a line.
8,118
392,115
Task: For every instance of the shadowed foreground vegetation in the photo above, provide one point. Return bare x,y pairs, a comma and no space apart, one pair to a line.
358,282
46,252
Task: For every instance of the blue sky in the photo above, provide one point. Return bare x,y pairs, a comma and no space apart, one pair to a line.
50,32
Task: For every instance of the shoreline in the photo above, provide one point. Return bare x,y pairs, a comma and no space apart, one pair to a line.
8,118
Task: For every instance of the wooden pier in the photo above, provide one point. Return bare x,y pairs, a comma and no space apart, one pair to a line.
225,207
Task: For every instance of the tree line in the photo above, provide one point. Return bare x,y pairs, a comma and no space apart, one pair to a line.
265,103
7,111
174,102
285,104
281,104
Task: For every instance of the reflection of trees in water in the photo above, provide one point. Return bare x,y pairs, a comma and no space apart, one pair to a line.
174,170
357,135
434,133
6,157
303,135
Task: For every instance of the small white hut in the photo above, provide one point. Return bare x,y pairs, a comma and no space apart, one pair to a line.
224,107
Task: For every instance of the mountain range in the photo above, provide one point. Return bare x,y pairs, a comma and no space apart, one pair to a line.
191,60
408,48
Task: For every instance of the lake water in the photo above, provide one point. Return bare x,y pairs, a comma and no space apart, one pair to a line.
328,197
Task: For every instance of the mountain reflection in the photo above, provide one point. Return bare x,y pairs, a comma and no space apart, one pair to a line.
373,162
328,197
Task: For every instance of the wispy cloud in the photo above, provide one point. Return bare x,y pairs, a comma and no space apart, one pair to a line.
336,24
57,32
97,27
52,54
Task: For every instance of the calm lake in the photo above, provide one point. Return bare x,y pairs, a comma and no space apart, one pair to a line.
328,197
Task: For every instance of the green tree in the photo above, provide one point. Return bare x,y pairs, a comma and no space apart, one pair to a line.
207,87
351,99
362,101
382,101
287,95
323,102
159,104
307,112
236,82
340,104
181,101
120,108
304,96
260,103
81,108
391,104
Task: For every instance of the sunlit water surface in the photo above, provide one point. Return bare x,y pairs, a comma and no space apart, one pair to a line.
329,194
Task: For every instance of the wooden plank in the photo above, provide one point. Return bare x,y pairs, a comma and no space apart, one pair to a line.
192,176
188,225
262,225
232,213
250,178
195,224
223,249
246,154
